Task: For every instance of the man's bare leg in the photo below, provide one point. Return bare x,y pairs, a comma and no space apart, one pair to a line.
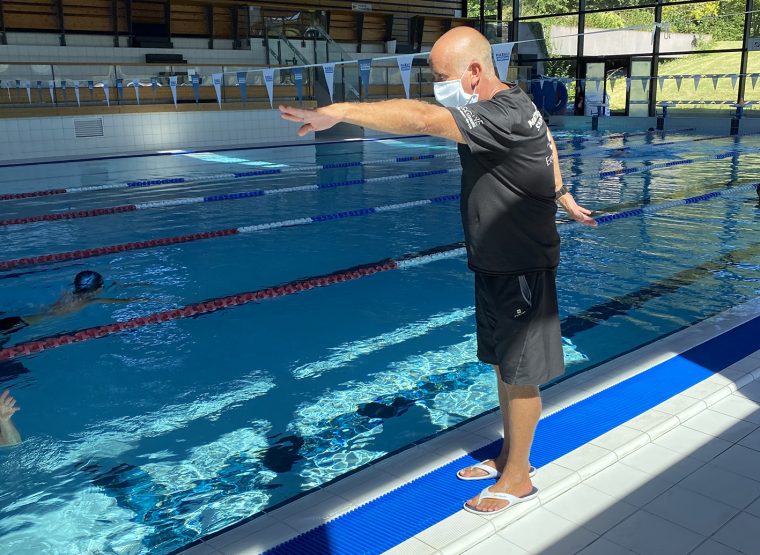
524,403
501,461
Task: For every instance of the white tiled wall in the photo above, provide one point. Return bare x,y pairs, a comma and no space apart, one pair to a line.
53,137
94,49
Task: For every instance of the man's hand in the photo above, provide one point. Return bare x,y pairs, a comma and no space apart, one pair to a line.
7,406
576,211
313,120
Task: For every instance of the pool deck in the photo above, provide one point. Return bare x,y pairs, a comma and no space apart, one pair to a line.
682,477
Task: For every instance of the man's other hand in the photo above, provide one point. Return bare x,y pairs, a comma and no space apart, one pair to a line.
577,212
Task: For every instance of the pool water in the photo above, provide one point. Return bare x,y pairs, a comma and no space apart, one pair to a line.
143,441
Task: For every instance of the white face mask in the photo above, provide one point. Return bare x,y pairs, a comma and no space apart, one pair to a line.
451,93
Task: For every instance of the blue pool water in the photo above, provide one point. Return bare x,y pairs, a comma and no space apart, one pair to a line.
141,442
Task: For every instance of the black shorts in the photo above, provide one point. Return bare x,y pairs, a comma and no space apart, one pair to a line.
518,326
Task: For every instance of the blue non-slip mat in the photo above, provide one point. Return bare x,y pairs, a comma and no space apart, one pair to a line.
401,514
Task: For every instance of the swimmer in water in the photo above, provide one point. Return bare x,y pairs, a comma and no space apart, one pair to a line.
87,286
8,433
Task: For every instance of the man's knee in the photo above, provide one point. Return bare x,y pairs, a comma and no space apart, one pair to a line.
522,391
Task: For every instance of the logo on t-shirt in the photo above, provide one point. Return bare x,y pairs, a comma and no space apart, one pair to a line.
536,120
550,158
471,119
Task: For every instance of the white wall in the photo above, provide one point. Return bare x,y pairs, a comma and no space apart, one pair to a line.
91,48
53,137
619,42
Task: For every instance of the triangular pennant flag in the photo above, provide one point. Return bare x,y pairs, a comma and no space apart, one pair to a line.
678,79
242,79
136,85
107,93
298,80
28,86
612,84
365,66
8,88
76,92
91,87
405,67
51,86
196,80
597,84
120,89
268,74
502,53
661,82
216,78
154,85
754,79
644,82
627,83
173,87
715,82
696,81
329,71
734,78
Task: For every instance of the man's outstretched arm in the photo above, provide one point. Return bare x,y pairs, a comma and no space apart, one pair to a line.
402,117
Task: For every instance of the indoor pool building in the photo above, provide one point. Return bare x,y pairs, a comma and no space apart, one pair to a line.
402,276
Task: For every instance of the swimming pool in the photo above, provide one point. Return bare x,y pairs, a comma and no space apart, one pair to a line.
140,442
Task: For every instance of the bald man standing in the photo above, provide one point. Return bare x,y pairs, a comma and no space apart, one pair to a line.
510,184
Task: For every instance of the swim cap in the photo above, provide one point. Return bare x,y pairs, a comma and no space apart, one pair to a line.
87,282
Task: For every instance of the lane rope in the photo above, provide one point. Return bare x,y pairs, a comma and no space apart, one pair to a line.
151,182
142,183
166,241
407,261
59,216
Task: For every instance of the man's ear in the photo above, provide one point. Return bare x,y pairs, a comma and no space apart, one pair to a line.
476,71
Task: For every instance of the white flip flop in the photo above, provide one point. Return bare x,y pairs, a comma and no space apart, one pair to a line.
491,472
488,494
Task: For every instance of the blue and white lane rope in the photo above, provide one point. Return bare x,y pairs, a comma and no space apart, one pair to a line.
672,163
57,216
302,285
151,182
231,176
166,241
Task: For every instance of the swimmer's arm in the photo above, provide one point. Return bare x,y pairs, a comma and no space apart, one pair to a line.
8,433
399,116
573,209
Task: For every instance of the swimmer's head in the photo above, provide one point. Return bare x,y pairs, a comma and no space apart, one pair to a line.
87,282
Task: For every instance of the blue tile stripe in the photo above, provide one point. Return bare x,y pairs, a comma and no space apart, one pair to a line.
401,514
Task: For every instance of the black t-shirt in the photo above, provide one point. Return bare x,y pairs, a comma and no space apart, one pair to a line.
508,205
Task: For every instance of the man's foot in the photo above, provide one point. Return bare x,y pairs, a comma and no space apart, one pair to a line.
488,469
521,490
480,471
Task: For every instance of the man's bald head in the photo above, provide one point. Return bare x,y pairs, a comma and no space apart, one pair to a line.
457,49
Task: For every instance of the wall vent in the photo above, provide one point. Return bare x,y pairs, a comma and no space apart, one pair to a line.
88,127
